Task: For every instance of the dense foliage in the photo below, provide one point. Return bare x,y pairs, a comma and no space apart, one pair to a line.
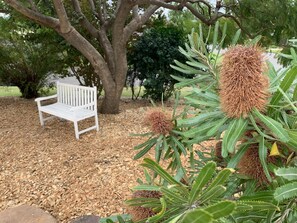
27,61
150,57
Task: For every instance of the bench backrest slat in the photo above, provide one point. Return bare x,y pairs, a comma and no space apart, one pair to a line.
74,95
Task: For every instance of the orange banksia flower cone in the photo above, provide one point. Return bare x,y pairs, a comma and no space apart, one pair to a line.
159,121
243,86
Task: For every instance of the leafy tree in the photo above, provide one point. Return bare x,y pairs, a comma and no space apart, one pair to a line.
275,20
111,24
150,59
25,62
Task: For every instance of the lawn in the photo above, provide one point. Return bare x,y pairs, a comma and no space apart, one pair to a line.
13,91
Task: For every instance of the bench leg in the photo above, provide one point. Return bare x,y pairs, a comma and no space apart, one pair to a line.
76,130
41,118
97,122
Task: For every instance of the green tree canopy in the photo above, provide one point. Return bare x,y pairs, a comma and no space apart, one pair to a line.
150,58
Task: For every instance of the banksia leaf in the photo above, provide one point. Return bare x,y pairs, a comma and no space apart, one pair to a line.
289,173
242,83
197,216
221,209
285,192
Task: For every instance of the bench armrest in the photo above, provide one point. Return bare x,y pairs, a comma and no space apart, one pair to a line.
45,98
82,106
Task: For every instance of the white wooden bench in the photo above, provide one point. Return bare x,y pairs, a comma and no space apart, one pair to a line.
74,103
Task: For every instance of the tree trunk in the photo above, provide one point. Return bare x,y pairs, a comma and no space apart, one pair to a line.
111,101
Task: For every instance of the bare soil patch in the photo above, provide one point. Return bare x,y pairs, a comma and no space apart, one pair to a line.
49,168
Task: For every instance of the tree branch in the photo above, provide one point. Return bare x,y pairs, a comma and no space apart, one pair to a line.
34,15
197,14
165,4
33,5
138,22
84,21
101,35
238,23
65,26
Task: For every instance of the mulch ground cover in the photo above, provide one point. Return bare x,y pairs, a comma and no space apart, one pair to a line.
47,167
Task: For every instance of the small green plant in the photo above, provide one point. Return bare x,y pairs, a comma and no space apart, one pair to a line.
163,138
205,198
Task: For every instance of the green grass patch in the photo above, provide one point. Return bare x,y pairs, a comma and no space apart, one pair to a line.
12,91
9,91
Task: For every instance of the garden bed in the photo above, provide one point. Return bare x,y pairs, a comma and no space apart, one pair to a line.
49,168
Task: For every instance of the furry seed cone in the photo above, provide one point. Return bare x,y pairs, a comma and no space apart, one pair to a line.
159,121
243,86
141,213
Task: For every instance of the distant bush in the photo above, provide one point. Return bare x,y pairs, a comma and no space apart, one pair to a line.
150,57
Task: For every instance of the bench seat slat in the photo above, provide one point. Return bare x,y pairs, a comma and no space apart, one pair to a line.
63,111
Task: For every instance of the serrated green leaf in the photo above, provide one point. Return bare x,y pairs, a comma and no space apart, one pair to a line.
285,85
159,215
212,96
293,53
217,125
214,193
159,170
263,157
266,196
204,176
198,65
286,191
289,173
221,209
187,69
194,102
173,195
232,135
199,118
259,205
288,56
293,139
143,201
179,145
237,157
199,130
295,94
276,127
221,178
197,216
146,149
114,218
189,82
144,144
147,187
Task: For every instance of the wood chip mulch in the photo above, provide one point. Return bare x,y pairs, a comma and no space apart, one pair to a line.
47,167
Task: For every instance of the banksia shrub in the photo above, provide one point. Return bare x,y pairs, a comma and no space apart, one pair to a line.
243,86
141,213
159,121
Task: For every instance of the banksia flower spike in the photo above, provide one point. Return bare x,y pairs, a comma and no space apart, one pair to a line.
141,213
243,86
250,165
159,121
